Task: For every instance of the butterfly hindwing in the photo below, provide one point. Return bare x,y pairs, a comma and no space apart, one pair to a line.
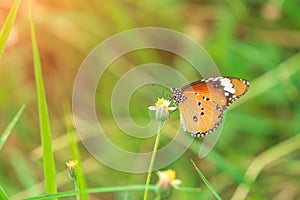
199,115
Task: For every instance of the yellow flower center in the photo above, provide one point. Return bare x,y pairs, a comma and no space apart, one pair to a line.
163,103
71,164
171,174
160,102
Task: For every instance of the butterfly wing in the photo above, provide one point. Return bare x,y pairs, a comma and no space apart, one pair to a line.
199,115
223,90
203,102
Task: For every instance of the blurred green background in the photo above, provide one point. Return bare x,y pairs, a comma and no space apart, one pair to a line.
247,39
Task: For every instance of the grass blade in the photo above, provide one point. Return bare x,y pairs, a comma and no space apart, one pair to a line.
8,24
3,195
76,156
10,126
206,182
95,191
48,159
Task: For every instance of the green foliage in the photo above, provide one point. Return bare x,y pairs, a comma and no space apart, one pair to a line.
255,40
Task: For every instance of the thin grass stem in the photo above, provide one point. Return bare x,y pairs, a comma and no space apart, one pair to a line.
210,187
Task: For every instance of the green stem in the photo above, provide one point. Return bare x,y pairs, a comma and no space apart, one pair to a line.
155,148
76,189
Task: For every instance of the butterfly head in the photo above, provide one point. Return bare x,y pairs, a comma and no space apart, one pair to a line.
177,95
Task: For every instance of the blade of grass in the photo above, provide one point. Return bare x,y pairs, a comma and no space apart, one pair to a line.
206,182
4,137
235,173
48,159
80,180
94,191
8,24
10,126
3,194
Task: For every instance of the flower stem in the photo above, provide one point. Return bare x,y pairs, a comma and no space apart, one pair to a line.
76,189
155,148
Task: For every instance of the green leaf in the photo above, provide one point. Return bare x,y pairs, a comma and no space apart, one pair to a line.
8,24
48,159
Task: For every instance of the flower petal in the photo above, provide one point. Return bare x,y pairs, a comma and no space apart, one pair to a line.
175,183
172,108
152,107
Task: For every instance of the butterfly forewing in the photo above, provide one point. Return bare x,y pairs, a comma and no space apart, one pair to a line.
207,90
240,85
222,90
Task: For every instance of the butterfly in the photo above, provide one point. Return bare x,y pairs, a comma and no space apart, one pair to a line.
201,104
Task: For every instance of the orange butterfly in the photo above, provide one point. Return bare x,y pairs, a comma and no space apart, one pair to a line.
201,104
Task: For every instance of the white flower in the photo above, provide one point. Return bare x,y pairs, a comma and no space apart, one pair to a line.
162,109
71,164
167,179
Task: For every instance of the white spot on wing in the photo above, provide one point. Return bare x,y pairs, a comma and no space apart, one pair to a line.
226,83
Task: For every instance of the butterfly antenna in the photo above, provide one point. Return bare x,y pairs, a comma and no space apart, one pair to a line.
160,85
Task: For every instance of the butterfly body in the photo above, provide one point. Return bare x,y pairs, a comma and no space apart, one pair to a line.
201,104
